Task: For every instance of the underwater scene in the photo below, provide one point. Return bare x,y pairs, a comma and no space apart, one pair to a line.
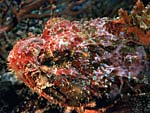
74,56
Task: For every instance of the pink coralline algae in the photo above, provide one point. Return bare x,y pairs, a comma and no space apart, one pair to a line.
74,64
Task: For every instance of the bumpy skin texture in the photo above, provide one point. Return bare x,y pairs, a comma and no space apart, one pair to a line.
74,64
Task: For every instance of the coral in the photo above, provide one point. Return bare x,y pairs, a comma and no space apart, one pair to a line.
137,23
74,64
14,13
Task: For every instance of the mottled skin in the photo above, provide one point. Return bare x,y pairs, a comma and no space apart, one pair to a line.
73,64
